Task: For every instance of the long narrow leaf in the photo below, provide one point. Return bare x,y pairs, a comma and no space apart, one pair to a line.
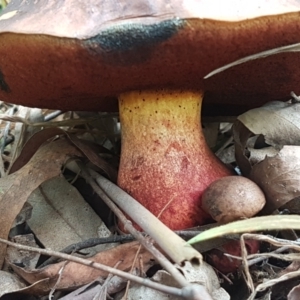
254,224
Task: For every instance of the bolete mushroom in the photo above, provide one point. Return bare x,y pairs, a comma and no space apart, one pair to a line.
233,198
80,55
228,199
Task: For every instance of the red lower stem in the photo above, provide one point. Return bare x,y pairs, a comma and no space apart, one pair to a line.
165,162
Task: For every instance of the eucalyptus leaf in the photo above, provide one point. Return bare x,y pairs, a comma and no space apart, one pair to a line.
278,122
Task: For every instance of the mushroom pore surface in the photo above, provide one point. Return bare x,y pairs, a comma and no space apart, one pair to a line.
165,162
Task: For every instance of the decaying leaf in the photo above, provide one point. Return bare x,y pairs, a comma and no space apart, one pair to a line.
60,216
89,149
76,275
27,259
257,155
16,188
241,134
32,145
278,123
9,283
91,153
203,275
279,177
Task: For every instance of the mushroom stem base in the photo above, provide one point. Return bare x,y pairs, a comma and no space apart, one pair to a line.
165,162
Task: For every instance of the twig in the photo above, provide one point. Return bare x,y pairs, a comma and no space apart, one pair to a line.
92,242
146,282
267,284
295,245
60,273
129,227
88,244
175,247
285,245
131,270
102,294
245,264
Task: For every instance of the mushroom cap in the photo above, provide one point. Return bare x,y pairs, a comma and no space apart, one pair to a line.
233,198
79,55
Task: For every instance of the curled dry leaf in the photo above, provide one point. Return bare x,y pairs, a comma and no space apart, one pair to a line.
76,275
17,187
277,122
32,145
90,151
279,177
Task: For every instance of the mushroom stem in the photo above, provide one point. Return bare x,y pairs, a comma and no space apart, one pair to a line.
165,162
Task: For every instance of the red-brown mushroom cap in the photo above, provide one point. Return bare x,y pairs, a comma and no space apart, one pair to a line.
80,54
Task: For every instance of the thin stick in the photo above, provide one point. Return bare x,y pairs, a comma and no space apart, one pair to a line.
129,227
174,246
143,281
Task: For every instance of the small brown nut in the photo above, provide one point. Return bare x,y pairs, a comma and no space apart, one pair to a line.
232,198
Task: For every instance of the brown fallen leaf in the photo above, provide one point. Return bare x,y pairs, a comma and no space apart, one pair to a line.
32,145
241,134
16,188
90,150
75,275
272,126
278,122
279,177
60,217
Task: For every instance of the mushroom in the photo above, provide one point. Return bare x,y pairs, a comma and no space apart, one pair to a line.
233,198
165,163
230,199
81,55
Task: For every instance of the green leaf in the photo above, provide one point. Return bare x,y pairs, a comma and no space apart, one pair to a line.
278,222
